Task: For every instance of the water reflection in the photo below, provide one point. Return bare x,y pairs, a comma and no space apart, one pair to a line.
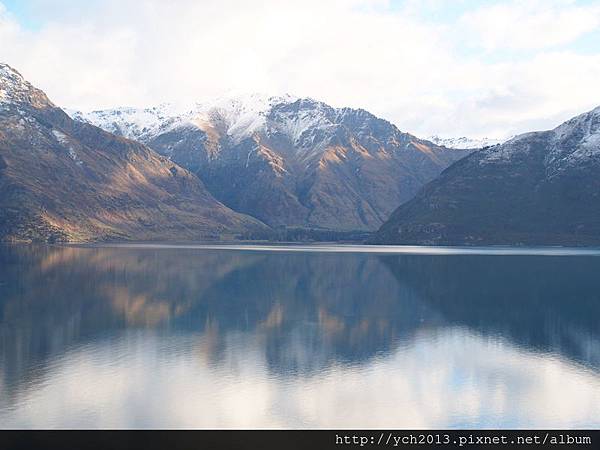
118,337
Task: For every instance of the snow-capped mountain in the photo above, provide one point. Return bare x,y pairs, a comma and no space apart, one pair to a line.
289,161
132,123
15,91
465,142
572,143
536,188
65,180
238,116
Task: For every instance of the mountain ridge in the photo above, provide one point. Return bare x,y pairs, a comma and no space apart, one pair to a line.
538,188
293,162
63,180
466,142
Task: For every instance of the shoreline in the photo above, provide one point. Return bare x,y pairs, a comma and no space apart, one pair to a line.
336,247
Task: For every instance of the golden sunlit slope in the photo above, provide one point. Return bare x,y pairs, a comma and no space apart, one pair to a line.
68,181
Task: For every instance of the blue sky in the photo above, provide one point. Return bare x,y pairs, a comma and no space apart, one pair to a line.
20,10
477,68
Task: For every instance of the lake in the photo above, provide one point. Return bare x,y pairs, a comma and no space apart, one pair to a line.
324,336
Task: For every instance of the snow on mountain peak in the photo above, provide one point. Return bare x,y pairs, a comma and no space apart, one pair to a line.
133,123
239,115
576,140
464,142
256,103
7,72
13,87
243,114
573,142
584,125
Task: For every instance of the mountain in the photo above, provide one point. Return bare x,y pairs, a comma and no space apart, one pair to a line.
465,142
69,181
288,161
537,188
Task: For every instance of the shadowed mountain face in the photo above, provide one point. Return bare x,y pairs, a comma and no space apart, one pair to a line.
290,162
537,188
69,181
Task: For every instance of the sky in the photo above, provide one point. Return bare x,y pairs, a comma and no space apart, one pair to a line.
476,68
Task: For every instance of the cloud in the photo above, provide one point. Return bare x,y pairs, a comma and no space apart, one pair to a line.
424,75
532,24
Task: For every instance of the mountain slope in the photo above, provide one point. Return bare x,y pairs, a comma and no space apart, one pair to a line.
69,181
537,188
287,161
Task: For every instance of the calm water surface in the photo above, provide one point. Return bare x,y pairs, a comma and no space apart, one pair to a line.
324,336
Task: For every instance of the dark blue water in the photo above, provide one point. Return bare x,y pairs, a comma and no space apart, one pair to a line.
324,336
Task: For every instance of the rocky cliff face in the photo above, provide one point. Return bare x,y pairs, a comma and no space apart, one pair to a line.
70,181
537,188
287,161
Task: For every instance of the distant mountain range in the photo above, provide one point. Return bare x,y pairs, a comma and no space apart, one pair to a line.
251,166
537,188
63,180
288,161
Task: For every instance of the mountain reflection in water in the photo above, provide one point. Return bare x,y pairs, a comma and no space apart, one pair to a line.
176,337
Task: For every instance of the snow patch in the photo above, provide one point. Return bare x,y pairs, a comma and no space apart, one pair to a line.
63,139
60,136
465,142
301,126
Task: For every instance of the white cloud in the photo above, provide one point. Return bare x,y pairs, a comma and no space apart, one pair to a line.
531,24
425,76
